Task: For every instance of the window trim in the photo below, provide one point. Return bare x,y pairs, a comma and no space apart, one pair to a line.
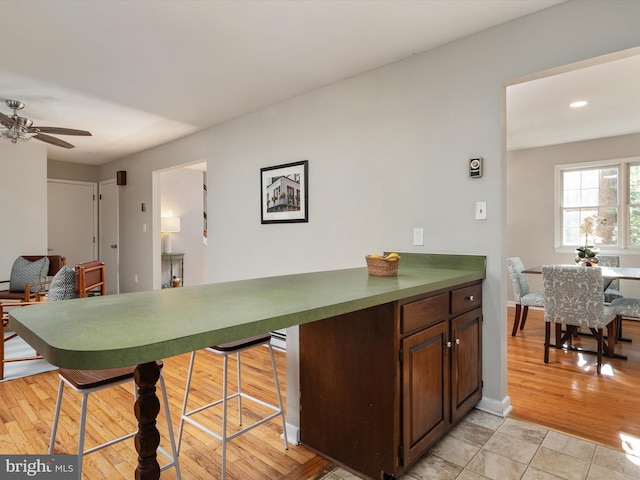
623,165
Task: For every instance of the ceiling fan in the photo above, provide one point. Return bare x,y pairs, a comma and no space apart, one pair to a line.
20,129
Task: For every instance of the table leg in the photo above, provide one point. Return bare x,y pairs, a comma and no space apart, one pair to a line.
146,408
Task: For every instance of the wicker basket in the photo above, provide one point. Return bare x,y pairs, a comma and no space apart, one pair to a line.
380,267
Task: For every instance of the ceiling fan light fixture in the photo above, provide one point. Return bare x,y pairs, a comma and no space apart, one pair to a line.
21,129
16,135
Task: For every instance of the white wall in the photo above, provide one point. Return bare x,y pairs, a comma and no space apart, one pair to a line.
387,151
530,175
23,203
73,171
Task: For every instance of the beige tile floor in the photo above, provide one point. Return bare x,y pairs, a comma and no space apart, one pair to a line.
485,446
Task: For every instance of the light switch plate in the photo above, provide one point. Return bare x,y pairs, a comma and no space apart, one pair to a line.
418,236
481,210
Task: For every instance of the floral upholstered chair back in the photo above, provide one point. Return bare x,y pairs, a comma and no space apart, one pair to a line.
573,295
519,279
613,290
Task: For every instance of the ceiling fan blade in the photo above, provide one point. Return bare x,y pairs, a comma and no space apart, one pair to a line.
62,131
8,121
52,140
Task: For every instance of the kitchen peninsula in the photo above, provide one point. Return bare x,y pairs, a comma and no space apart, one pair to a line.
139,328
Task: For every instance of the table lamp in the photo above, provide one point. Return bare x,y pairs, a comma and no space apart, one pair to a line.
168,225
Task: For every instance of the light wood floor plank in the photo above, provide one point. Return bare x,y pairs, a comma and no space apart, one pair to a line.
27,407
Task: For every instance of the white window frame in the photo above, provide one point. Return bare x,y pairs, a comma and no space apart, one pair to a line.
623,203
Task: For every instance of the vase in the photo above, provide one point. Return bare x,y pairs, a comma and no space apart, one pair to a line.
587,256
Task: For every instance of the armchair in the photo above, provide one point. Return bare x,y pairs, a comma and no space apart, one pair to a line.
5,320
86,279
29,277
90,279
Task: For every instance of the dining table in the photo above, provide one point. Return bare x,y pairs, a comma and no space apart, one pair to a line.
140,328
608,273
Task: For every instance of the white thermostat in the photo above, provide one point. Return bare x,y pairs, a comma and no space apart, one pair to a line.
475,167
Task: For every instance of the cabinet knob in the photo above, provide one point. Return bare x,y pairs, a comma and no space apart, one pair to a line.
457,341
470,298
449,344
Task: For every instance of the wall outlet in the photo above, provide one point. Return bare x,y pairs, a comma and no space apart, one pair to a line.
418,236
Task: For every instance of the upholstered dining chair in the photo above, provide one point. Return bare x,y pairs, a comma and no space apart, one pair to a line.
625,308
573,297
524,298
613,289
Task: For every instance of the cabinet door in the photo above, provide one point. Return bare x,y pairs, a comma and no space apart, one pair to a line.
425,390
466,363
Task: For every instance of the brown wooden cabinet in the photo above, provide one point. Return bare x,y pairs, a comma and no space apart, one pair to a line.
379,386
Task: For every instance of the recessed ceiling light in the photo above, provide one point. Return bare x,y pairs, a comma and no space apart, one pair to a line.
578,104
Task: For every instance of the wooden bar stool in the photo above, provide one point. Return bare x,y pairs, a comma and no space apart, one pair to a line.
226,350
87,382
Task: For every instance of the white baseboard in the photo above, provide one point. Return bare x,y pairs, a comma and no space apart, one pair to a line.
501,408
293,434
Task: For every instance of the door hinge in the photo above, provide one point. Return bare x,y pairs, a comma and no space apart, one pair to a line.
100,197
401,355
401,453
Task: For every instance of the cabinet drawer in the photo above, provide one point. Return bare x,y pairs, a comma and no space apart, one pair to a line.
424,312
466,298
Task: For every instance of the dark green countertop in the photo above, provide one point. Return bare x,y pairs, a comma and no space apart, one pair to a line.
135,328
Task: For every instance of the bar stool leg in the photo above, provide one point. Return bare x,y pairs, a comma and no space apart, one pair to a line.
83,423
239,389
224,415
56,416
172,439
184,403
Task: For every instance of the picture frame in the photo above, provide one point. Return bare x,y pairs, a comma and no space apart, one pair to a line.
284,193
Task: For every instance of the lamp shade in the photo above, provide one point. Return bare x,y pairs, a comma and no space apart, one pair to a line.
170,224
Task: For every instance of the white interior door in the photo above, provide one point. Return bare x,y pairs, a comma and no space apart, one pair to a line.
72,214
109,235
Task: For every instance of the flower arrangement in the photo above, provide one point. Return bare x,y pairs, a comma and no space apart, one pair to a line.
587,253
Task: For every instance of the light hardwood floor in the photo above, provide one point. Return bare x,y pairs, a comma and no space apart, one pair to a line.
27,407
565,395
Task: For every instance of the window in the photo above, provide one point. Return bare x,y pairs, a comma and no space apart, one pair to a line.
604,193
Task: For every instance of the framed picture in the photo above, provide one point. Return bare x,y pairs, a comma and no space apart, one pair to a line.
284,193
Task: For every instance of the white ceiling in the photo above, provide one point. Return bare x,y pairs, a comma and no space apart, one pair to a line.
538,111
140,74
